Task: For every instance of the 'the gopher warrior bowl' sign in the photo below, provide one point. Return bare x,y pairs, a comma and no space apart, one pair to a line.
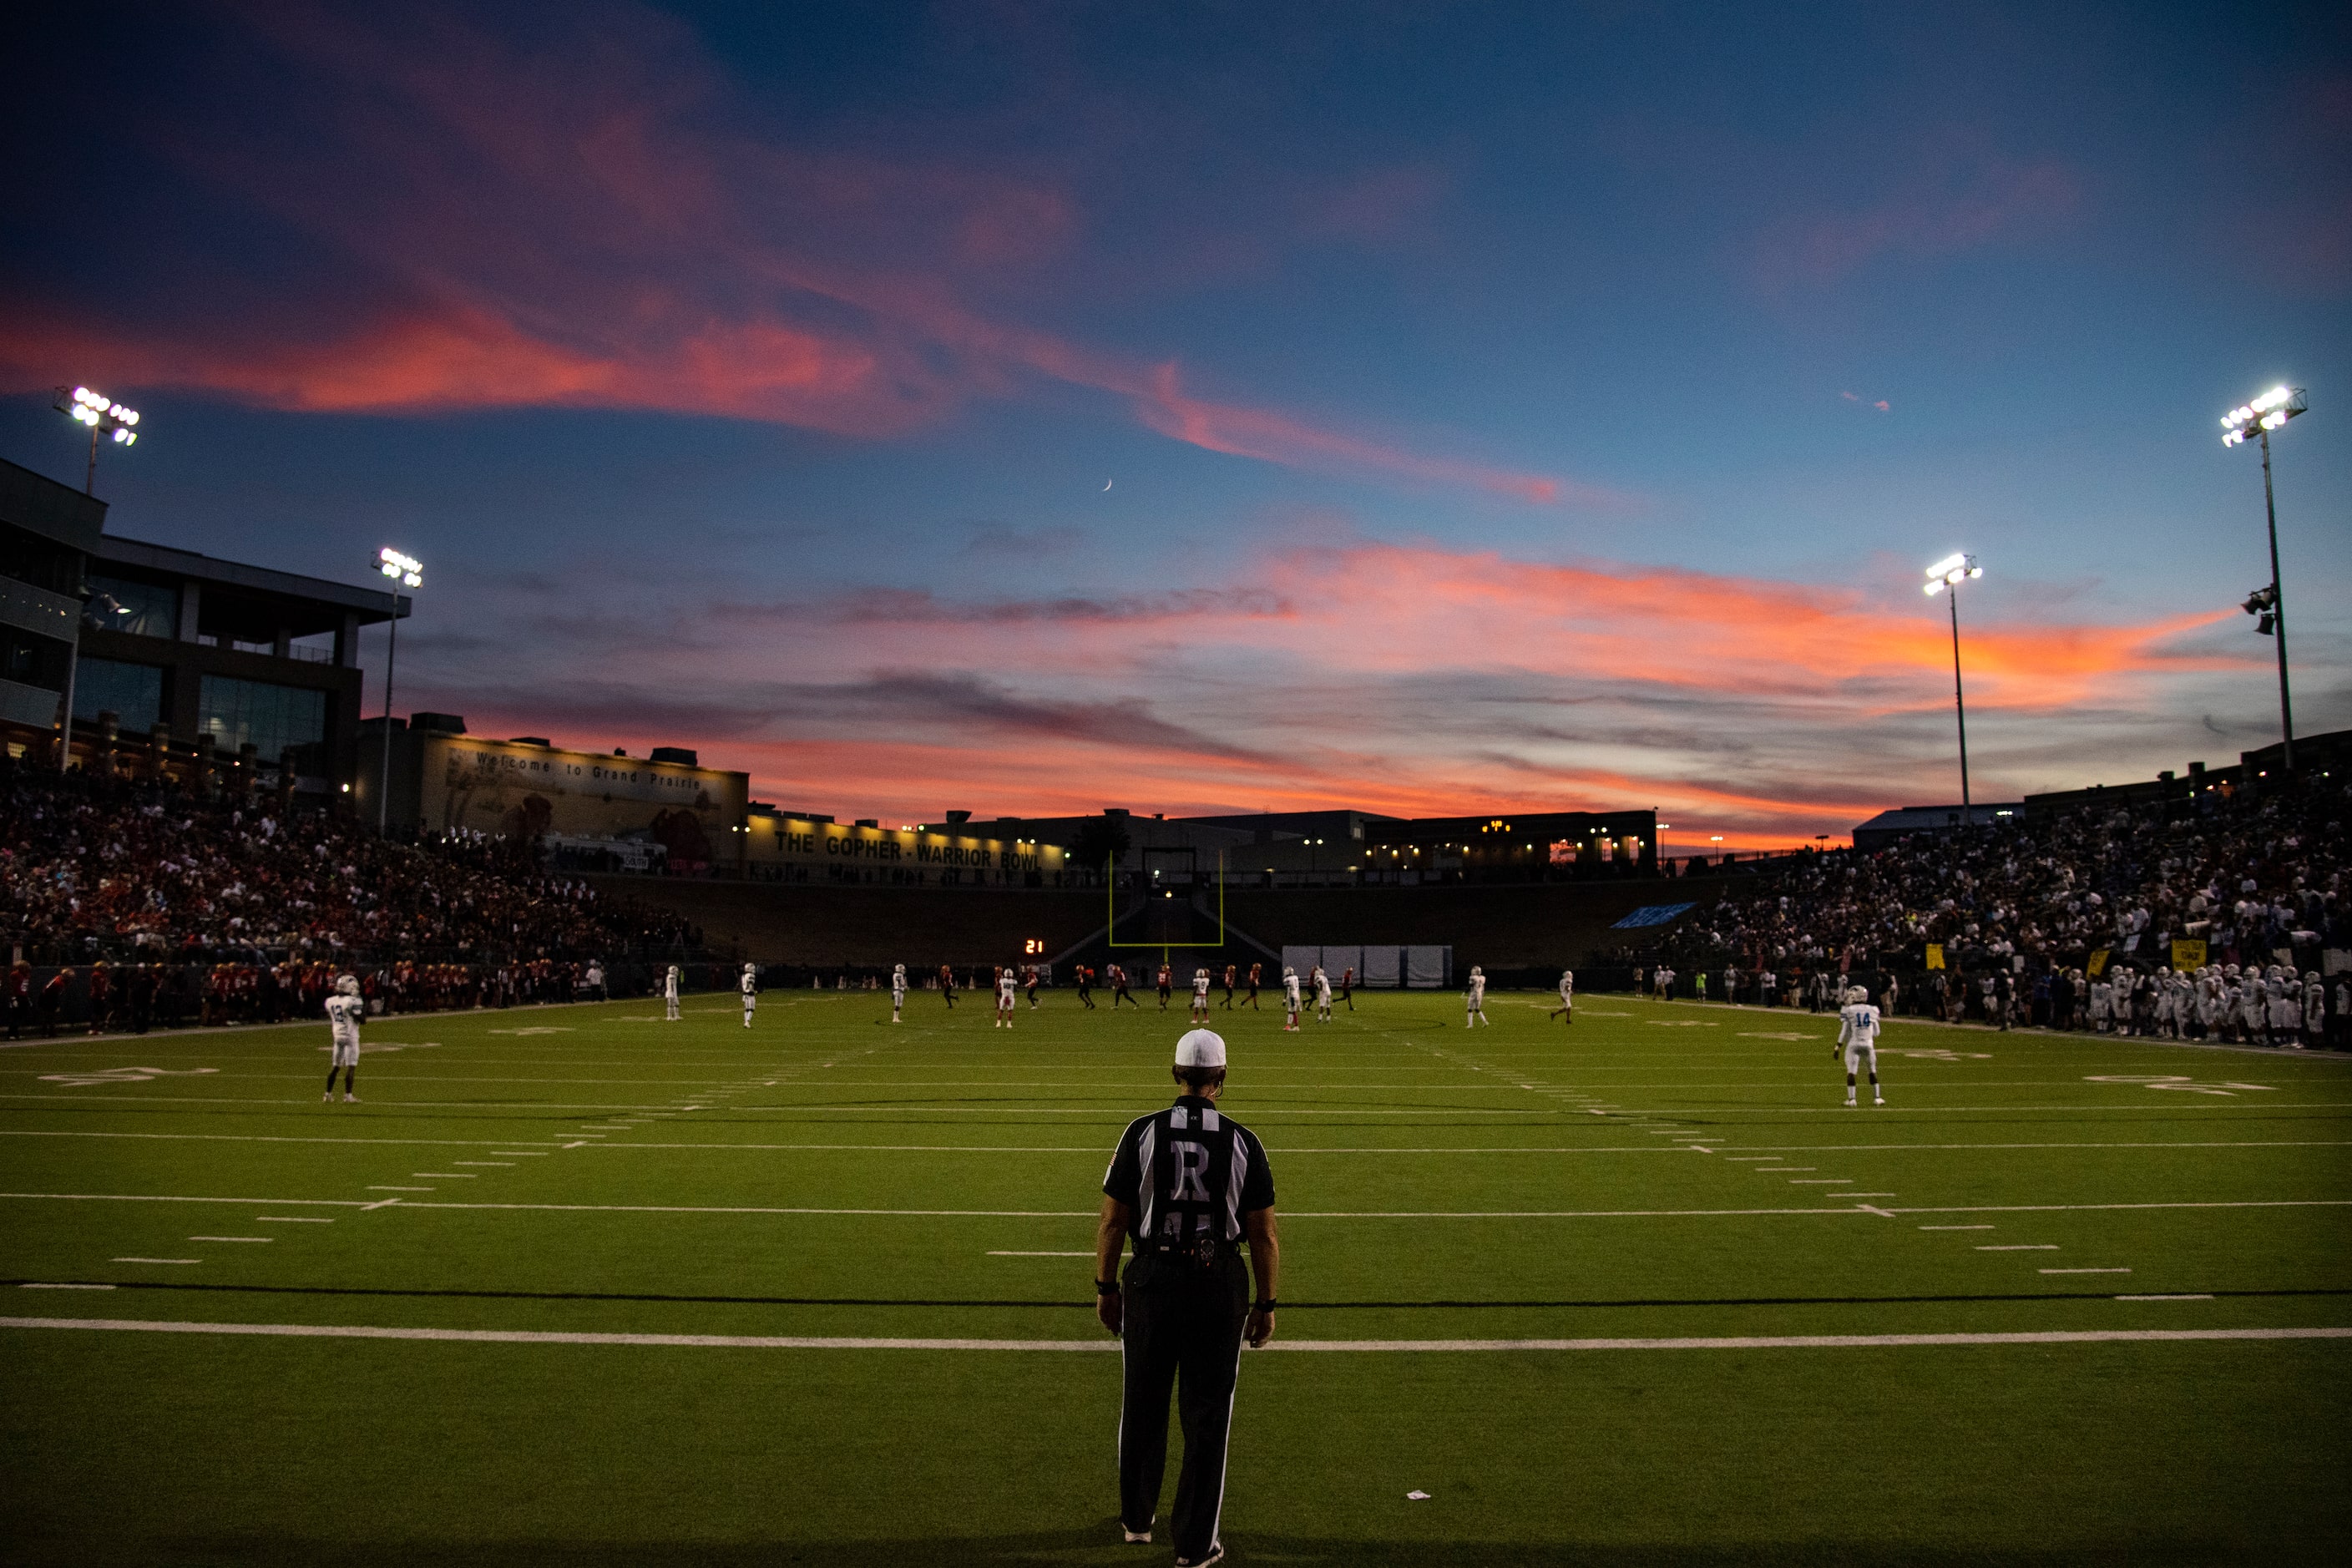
517,790
803,849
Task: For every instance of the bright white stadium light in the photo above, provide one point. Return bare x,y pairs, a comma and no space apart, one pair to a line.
104,416
1950,573
2272,410
2253,421
406,572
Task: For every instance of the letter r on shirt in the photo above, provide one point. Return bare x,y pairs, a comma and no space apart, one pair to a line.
1192,1160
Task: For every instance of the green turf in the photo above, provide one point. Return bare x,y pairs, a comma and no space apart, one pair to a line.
595,1169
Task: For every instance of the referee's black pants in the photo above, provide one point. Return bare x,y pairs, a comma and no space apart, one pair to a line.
1184,1327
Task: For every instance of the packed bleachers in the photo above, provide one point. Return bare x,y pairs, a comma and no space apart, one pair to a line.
2182,917
247,902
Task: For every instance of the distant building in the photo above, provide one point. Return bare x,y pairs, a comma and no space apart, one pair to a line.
603,811
167,643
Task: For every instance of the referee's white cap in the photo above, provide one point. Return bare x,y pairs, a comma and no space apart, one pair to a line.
1200,1049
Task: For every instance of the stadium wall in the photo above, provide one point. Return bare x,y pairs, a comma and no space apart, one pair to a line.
1506,928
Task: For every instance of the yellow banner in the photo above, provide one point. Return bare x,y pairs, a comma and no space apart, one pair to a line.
2189,953
2098,964
1935,955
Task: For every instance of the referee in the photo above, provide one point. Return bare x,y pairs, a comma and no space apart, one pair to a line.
1188,1185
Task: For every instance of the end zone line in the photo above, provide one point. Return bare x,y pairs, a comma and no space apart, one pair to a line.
1089,1213
779,1341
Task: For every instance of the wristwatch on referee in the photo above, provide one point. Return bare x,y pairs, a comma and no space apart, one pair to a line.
1106,1287
1265,1306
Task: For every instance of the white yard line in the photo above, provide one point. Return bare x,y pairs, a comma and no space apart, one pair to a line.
2018,1246
2082,1271
1958,1227
1088,1213
232,1238
159,1260
290,1219
1108,1345
249,1203
258,1137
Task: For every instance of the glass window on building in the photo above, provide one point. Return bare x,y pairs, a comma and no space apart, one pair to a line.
134,693
272,717
121,604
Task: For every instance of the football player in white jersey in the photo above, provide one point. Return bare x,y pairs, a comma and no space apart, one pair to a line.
1474,1000
1566,1011
1322,995
1006,981
344,1010
1200,996
897,992
1858,1038
749,984
1289,1000
669,993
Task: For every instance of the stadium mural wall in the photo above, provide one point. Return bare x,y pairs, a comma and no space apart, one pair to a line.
799,848
518,789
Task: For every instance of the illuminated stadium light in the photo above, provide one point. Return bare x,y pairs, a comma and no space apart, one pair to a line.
105,417
2264,413
2254,421
1949,572
406,572
406,568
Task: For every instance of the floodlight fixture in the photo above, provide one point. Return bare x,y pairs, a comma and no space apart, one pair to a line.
2253,421
2262,415
105,417
1950,573
406,572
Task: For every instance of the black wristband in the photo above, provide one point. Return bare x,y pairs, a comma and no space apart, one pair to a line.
1264,1306
1106,1287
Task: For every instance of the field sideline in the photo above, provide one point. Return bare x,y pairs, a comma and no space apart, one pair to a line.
577,1285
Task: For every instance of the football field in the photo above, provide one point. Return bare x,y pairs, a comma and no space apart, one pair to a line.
577,1285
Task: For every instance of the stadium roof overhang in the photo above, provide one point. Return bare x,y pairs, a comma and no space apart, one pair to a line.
249,602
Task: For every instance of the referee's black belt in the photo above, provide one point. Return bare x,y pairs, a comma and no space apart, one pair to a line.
1187,1248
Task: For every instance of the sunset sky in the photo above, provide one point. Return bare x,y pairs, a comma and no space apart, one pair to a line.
1031,409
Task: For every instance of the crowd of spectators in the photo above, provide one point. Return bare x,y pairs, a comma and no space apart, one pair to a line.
92,868
2205,914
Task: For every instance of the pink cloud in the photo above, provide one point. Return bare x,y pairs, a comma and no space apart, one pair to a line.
579,224
1407,679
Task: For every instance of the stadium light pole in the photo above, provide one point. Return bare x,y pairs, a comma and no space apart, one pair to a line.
105,418
406,572
2256,420
1945,577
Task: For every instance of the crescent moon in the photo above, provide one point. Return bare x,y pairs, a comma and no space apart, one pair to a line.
1106,484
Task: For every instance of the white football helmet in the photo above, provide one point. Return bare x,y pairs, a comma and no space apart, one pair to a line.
347,985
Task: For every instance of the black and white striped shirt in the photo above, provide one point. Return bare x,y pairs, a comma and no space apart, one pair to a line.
1188,1171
